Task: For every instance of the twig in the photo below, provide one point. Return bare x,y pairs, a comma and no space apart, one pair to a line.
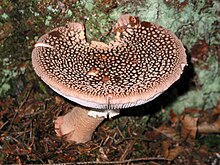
120,133
115,162
3,125
21,105
127,150
126,161
26,98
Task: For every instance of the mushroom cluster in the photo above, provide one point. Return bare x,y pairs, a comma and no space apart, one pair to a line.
141,63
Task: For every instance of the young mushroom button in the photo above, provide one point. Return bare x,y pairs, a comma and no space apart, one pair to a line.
142,62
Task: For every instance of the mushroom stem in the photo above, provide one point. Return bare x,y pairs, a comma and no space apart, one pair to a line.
76,125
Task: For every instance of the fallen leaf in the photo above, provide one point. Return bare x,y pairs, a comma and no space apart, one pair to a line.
170,153
173,153
209,127
189,127
165,146
169,132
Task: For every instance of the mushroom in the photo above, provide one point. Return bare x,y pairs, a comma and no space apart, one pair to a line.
141,63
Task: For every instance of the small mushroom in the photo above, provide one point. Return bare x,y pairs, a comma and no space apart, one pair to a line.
141,63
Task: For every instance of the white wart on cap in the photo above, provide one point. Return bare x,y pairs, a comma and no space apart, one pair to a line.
143,61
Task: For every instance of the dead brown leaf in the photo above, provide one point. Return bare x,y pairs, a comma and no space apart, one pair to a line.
169,132
173,153
189,127
170,153
174,118
165,145
209,127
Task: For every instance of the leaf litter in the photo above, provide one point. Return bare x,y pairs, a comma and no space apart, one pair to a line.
28,136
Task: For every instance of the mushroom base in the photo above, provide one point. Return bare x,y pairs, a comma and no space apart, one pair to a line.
76,125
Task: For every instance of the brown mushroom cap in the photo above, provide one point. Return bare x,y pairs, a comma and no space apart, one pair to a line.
143,61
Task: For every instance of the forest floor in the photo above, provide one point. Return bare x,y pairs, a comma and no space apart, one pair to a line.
27,135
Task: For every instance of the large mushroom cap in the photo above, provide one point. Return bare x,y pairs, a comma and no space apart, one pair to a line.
143,61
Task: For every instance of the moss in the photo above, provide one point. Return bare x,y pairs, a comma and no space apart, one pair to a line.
193,22
98,24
